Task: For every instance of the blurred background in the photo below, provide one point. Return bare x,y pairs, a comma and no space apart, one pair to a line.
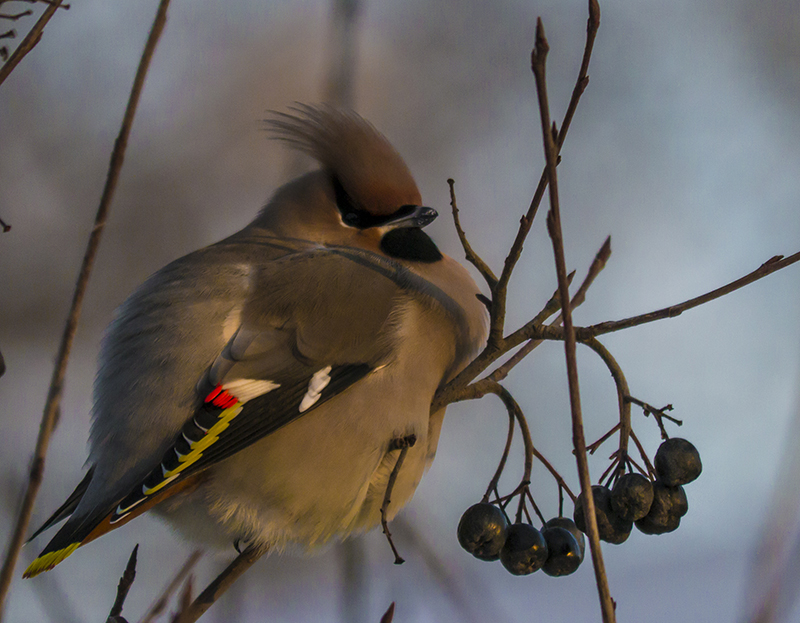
685,148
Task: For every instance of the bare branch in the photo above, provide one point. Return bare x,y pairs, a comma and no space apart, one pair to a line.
125,583
770,266
538,59
598,264
499,471
527,220
622,396
472,257
388,616
57,382
222,583
160,604
488,386
16,16
185,602
402,444
30,40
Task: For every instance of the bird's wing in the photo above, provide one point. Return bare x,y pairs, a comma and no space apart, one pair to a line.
67,508
314,324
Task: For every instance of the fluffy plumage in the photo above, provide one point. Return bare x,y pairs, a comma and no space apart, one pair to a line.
254,389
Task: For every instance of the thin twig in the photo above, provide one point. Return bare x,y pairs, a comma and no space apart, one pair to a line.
770,266
623,404
643,454
16,16
439,570
387,497
659,415
535,508
160,604
499,471
513,408
614,463
57,381
538,59
30,40
638,467
485,386
459,388
472,257
185,601
592,447
527,220
598,264
125,583
222,583
497,346
388,616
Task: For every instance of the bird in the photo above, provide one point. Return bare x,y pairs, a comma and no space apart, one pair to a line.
262,388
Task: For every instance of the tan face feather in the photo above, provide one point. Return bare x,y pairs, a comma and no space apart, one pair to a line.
369,169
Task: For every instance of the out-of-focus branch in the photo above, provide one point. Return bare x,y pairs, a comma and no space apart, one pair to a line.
185,601
388,616
221,583
57,382
340,81
160,604
124,586
30,40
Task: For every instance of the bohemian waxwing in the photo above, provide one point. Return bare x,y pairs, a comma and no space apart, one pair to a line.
256,389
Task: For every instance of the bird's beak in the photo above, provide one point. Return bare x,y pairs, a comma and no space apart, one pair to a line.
412,216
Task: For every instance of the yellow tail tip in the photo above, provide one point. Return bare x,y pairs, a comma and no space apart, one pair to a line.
45,562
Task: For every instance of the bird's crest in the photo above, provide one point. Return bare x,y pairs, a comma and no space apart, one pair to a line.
353,151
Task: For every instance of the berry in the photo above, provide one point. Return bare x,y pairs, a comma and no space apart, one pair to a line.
677,462
482,531
669,505
525,550
568,524
632,496
564,555
612,528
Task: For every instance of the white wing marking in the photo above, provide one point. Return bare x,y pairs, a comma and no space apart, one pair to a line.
317,383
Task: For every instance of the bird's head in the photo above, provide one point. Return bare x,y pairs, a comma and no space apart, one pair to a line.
364,194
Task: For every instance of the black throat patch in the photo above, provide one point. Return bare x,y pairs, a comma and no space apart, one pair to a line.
410,243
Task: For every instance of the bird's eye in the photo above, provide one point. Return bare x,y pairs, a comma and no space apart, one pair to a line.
351,218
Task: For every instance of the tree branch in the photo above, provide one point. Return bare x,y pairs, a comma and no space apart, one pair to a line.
538,59
30,40
160,604
57,382
770,266
222,583
499,295
472,257
125,583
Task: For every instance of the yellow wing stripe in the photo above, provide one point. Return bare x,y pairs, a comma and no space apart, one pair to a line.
197,447
47,561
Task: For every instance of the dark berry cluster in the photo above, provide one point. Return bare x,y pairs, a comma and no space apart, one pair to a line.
656,506
557,549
